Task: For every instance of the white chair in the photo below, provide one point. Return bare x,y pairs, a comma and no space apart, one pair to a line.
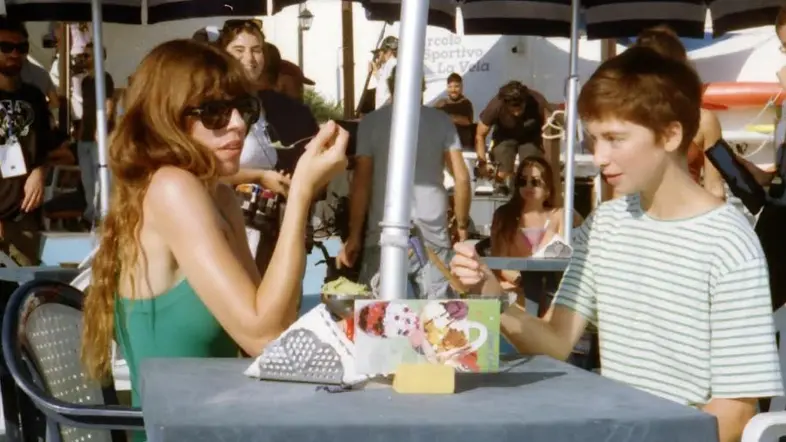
765,427
770,426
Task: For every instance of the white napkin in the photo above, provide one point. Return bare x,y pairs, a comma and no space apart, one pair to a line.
555,248
319,322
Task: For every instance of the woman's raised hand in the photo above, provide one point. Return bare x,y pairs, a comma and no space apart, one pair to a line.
324,158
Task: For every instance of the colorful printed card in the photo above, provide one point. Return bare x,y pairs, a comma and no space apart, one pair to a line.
460,333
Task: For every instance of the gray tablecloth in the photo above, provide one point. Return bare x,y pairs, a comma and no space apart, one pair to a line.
528,264
537,400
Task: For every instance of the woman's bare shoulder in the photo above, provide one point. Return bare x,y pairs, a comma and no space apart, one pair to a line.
174,191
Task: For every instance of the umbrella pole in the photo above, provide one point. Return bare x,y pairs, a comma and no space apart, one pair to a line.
101,123
403,146
571,122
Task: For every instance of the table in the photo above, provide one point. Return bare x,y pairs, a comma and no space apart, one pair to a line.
22,275
528,264
535,400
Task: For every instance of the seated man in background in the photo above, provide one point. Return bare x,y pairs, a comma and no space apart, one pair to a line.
517,115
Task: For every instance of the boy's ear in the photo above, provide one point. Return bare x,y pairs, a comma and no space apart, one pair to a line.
672,137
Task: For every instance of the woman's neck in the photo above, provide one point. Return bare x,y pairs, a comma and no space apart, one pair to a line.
528,208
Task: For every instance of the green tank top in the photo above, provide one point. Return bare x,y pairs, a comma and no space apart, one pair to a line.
176,324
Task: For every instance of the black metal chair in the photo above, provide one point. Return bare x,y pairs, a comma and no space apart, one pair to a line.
41,338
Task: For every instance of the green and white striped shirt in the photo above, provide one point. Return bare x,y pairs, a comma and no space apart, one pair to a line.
682,307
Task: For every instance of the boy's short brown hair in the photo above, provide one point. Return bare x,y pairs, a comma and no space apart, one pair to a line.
646,88
664,41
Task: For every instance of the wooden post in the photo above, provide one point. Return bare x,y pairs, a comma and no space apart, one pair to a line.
348,52
64,74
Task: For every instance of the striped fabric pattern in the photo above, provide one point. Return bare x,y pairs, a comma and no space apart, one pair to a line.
735,15
131,11
545,18
626,18
441,13
682,307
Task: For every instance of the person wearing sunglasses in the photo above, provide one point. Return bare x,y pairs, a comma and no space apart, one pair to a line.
26,140
525,225
173,275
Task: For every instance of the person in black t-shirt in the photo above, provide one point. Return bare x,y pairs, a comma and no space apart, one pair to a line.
25,125
291,121
460,110
517,115
86,134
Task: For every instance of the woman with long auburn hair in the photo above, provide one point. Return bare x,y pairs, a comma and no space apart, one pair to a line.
173,276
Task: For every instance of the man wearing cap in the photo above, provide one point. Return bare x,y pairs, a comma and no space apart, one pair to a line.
291,80
290,119
382,67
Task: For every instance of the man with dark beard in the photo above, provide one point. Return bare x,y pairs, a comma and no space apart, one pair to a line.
26,138
460,110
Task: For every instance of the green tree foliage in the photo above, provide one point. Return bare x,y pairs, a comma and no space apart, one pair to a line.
322,108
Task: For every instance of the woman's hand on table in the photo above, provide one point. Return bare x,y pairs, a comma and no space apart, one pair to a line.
278,182
324,158
472,271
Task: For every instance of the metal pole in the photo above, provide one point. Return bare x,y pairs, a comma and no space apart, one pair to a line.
403,147
101,130
571,122
300,9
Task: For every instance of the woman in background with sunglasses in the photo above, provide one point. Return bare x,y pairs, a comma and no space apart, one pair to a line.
173,275
244,40
529,220
524,225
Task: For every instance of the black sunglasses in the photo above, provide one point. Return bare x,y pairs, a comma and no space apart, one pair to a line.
216,114
531,182
240,23
6,47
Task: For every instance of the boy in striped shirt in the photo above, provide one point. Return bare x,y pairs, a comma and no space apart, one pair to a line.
674,278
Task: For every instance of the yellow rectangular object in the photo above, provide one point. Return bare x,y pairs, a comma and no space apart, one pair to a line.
424,379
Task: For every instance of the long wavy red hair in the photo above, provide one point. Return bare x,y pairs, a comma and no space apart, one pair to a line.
153,133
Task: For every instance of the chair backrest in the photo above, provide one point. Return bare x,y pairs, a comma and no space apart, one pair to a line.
41,343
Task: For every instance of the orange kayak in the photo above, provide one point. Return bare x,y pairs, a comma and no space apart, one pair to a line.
735,95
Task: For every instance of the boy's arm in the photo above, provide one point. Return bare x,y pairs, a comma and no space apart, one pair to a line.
744,361
574,305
